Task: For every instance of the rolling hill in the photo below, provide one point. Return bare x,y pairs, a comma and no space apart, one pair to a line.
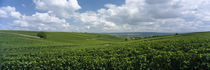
69,50
139,34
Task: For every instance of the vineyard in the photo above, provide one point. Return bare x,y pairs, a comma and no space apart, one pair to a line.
89,51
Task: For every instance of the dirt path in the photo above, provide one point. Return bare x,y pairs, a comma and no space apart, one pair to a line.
24,35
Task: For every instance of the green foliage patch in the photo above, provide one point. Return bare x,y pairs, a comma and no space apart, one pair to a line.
77,51
42,35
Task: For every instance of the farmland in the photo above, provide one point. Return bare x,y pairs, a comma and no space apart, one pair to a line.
89,51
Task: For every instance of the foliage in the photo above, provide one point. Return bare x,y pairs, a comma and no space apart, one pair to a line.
42,35
126,39
101,52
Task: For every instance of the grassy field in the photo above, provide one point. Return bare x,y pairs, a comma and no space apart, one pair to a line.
88,51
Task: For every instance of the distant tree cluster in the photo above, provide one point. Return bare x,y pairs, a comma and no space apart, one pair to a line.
42,35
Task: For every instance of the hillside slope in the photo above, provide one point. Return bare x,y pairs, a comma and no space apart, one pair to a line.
63,50
72,37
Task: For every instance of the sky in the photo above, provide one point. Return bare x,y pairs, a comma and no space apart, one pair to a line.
105,15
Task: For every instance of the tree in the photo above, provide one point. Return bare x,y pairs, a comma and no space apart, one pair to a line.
42,35
126,39
176,34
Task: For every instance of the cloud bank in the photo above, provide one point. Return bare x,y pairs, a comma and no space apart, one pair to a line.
6,12
133,16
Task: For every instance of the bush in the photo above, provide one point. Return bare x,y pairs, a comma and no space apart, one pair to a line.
42,35
126,39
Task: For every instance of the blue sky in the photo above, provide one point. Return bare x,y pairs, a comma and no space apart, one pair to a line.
94,5
105,15
27,7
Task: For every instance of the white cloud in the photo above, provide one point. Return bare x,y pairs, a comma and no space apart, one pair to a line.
94,21
42,21
134,15
6,12
150,15
197,9
61,8
38,21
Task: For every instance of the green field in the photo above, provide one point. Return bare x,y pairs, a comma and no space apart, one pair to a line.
89,51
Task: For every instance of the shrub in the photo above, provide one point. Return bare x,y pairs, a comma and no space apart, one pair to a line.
126,39
42,35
